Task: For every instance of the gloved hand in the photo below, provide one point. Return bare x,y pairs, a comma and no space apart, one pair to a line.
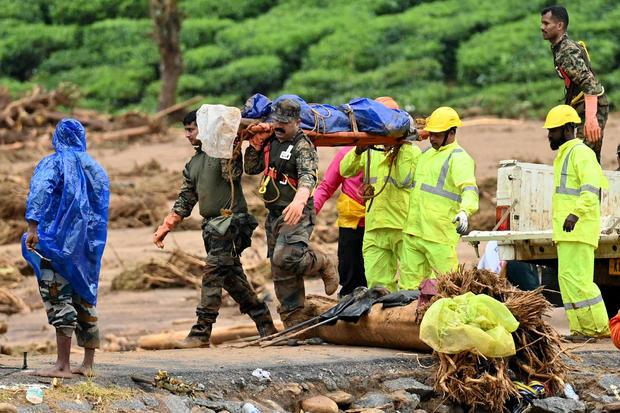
171,220
260,131
591,128
462,226
292,213
360,149
569,222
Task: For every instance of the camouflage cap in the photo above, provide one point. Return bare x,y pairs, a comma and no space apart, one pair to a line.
286,110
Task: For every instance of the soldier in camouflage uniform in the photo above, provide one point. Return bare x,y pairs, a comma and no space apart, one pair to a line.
206,182
583,91
289,162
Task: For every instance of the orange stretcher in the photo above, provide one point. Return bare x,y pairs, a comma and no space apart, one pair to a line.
356,138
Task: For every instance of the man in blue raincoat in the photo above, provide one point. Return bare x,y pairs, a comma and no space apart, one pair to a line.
67,214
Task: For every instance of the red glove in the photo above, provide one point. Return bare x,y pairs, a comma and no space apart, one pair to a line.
171,220
292,213
591,128
260,132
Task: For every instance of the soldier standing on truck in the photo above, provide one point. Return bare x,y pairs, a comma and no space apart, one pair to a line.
444,195
206,181
576,210
583,90
289,163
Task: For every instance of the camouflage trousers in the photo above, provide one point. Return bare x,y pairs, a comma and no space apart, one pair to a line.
224,271
67,311
291,259
602,113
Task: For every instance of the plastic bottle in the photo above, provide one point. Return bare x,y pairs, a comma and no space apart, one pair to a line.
249,408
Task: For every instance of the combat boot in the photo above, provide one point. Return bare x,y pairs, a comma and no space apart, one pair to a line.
264,324
327,267
198,336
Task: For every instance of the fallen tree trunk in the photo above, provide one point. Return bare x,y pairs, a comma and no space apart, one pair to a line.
164,341
382,327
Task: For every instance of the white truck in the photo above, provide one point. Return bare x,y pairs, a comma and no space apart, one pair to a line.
523,229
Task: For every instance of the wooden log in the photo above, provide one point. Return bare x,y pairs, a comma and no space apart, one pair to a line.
129,133
16,145
178,106
382,327
163,341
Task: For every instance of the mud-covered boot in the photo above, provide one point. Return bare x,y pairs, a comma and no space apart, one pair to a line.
198,337
264,324
293,318
327,268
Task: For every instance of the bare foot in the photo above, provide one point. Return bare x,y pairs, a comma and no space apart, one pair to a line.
53,372
84,371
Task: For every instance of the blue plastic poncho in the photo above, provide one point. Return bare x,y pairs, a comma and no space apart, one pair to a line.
69,198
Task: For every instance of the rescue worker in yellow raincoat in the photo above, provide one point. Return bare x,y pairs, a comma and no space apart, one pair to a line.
443,196
576,223
385,214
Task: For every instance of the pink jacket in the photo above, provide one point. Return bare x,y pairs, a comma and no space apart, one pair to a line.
333,180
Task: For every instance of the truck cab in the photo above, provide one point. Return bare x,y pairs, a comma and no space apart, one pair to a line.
523,229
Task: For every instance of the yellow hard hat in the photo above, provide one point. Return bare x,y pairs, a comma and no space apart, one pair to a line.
442,119
561,115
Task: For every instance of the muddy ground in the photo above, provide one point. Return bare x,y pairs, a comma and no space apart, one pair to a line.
154,168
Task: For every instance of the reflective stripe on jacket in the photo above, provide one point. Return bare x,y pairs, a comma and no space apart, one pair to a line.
444,184
389,209
578,180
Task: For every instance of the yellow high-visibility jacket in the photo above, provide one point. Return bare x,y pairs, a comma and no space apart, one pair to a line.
444,184
578,181
389,209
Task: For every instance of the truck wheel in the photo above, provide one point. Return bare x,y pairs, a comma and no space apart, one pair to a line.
549,280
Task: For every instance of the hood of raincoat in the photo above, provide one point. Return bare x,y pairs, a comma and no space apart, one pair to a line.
69,197
69,135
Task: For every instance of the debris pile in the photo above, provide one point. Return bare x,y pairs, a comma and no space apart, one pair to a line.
476,381
10,275
12,207
28,122
10,303
179,270
142,196
139,197
10,278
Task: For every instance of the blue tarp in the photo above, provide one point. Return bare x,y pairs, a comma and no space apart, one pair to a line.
371,116
69,198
